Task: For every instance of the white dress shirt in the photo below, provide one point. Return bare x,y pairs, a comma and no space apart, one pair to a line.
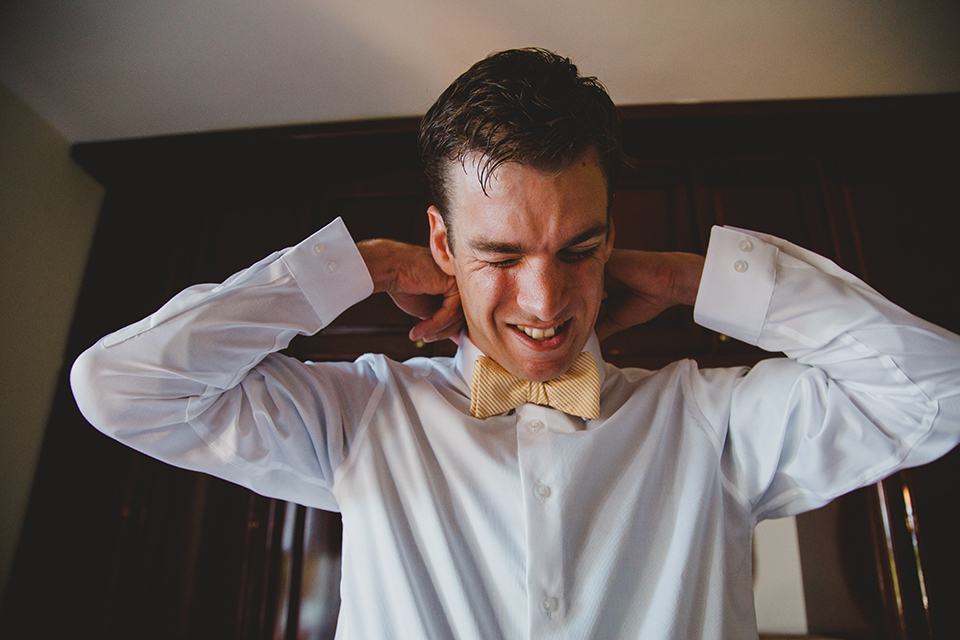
535,524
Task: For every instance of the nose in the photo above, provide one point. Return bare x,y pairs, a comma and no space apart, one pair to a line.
541,290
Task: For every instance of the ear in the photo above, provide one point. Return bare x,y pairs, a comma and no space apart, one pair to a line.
440,242
610,236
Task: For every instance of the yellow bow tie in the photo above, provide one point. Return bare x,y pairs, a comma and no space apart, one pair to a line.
576,392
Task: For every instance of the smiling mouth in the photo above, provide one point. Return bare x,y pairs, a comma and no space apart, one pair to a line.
540,334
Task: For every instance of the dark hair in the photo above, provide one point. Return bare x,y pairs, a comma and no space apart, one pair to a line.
530,106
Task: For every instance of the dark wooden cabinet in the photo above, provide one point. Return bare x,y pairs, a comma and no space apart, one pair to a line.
123,546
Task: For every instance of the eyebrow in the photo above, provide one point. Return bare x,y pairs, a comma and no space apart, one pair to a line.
514,248
596,231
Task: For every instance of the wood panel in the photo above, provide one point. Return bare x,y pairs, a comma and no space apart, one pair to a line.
652,211
391,205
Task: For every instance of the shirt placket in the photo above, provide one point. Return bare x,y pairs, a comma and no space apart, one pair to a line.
546,601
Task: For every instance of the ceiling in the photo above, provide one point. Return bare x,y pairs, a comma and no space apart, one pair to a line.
102,69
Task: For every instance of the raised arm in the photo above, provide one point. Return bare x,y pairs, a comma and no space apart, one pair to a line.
198,384
868,388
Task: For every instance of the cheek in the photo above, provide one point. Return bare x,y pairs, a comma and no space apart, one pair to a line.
588,279
590,289
486,291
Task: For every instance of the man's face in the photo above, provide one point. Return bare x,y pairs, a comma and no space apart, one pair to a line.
528,256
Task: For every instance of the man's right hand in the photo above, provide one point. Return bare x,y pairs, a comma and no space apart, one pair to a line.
417,285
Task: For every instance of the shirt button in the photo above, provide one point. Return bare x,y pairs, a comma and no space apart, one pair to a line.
332,267
535,425
318,249
543,491
745,245
740,266
550,604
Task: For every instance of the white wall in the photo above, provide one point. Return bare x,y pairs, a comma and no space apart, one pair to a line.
48,210
778,584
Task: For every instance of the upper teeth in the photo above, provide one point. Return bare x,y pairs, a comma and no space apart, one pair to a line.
539,334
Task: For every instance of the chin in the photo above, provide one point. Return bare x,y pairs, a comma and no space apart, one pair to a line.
546,370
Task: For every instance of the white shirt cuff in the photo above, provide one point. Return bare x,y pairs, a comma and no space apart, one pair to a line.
737,283
330,271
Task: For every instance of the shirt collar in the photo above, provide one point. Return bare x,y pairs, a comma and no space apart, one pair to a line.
467,355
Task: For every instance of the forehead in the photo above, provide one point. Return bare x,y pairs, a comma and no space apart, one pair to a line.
517,195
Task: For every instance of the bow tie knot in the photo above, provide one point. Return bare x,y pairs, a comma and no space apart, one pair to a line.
576,392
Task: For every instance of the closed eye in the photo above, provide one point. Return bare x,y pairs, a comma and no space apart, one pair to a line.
501,264
573,256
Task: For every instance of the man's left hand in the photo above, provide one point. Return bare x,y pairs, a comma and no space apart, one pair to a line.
641,284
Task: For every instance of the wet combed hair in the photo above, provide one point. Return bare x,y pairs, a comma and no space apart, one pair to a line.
529,106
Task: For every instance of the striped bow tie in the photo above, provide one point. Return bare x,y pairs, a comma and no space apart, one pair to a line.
576,392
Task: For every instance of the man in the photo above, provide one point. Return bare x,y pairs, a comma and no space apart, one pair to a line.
525,488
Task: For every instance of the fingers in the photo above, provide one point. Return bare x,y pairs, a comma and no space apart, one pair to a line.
446,322
416,284
606,326
603,329
425,331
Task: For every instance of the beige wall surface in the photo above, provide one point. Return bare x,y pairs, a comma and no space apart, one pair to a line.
48,211
109,70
